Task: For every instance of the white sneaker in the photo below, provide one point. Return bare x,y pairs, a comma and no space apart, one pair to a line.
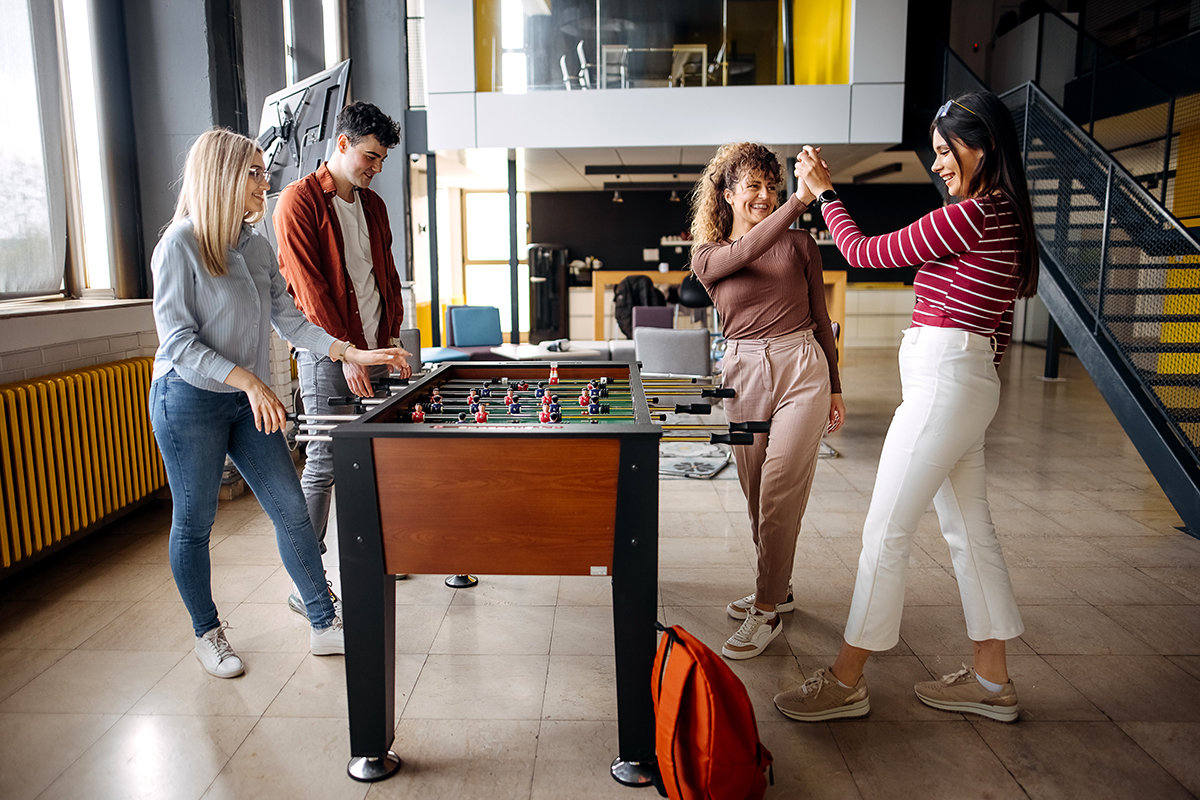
753,637
216,654
738,608
329,641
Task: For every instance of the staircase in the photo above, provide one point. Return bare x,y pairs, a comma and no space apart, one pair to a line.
1121,277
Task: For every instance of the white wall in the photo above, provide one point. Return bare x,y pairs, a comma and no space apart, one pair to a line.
868,110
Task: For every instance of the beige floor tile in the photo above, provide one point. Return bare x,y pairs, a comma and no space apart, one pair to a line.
837,523
1078,759
922,759
149,548
688,496
1171,630
931,587
55,625
292,757
239,549
808,763
823,587
813,552
153,757
453,759
581,688
1034,586
1133,688
815,630
696,553
1098,523
1058,551
19,667
1179,550
190,691
91,682
1118,586
935,630
44,579
704,587
147,626
231,583
112,581
480,687
38,747
274,588
1173,745
1056,498
693,524
584,590
426,590
505,590
573,761
583,631
496,630
266,628
764,677
1077,630
318,687
1043,694
891,680
417,627
1189,664
1161,523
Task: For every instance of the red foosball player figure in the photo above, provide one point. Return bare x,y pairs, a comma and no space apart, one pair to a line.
553,374
481,414
584,399
546,399
418,413
544,416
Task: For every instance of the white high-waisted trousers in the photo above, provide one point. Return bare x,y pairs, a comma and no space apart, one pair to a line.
934,451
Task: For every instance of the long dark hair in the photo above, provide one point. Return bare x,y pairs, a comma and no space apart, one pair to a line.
980,121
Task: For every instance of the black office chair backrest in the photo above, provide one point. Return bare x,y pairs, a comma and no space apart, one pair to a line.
692,293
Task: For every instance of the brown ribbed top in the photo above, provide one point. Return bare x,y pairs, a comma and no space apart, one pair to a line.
769,283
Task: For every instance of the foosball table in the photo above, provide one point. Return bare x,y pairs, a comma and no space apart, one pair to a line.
426,483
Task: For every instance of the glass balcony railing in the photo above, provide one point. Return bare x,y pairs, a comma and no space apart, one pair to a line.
537,45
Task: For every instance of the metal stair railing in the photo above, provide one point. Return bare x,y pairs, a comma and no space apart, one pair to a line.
1121,278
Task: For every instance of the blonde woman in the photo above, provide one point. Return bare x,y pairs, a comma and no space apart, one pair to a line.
765,281
218,292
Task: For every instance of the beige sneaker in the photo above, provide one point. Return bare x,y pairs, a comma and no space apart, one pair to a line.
822,697
753,637
961,691
739,608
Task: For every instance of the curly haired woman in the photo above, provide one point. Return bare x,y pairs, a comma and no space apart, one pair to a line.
765,281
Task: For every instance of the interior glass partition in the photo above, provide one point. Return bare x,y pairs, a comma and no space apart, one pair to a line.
573,45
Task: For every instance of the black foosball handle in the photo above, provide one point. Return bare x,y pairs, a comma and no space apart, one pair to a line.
391,382
731,438
348,400
750,427
700,409
720,391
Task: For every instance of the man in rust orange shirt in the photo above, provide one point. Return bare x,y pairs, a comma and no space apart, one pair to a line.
335,250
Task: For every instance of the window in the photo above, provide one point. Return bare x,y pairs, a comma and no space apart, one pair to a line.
32,243
486,277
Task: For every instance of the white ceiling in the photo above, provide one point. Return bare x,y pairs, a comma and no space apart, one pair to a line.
545,170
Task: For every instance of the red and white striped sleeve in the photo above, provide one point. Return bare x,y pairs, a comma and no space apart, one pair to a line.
953,229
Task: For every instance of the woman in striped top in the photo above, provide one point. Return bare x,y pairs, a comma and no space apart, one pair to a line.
975,258
217,294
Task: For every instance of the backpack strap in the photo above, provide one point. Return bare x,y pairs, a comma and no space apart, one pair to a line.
672,700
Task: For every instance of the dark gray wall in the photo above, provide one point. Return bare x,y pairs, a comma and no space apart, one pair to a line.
172,99
379,75
262,55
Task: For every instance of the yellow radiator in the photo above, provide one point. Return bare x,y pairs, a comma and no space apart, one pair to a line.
76,447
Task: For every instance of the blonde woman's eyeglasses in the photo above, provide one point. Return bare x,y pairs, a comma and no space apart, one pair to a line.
260,174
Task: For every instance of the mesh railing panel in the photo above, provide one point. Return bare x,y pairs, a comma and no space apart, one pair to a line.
1140,278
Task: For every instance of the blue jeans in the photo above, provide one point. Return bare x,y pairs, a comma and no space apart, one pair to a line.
320,379
195,429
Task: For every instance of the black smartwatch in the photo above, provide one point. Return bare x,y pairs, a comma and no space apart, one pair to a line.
827,196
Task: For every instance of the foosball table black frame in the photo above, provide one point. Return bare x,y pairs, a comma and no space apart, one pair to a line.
384,526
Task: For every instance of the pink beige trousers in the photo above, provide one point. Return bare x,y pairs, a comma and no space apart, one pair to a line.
934,452
784,380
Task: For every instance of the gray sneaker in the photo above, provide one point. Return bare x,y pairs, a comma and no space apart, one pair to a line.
216,654
296,604
739,608
821,697
961,691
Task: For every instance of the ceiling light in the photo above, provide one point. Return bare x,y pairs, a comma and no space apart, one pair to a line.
617,197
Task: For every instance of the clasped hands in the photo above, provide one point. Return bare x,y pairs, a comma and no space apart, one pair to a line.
812,172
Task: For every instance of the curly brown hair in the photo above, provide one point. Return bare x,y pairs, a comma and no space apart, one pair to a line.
712,216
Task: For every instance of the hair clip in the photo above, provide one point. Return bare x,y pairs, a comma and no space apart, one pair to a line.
941,112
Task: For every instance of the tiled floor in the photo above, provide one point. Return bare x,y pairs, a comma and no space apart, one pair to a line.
506,690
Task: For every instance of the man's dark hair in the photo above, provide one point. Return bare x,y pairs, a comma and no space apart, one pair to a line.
360,120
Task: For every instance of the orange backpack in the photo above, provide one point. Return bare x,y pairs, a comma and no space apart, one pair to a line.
706,737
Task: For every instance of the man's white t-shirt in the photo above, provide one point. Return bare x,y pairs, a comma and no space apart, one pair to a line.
356,244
